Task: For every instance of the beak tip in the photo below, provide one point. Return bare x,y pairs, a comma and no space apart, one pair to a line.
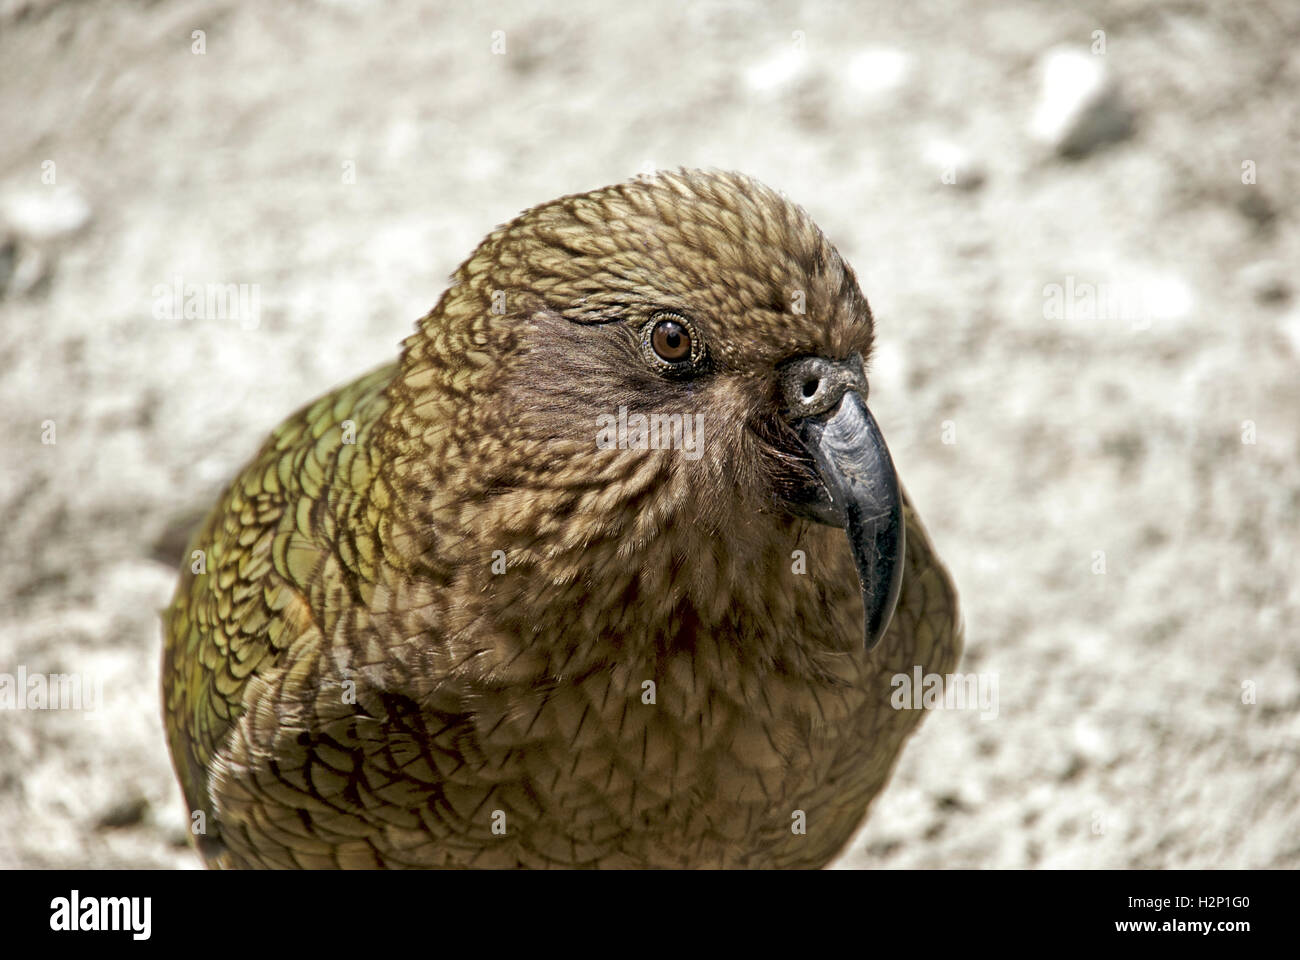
853,462
880,600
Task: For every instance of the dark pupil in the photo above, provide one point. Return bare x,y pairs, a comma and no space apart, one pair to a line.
671,341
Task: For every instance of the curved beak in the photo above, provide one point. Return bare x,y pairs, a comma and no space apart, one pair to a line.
826,403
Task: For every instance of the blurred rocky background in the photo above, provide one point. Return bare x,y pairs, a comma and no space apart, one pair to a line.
1076,225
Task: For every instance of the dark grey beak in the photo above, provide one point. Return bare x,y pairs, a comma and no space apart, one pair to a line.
825,402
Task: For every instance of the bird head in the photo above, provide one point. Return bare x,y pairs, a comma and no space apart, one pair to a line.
658,387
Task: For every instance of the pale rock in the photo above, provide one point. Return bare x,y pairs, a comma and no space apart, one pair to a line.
878,71
48,213
953,165
1079,105
776,72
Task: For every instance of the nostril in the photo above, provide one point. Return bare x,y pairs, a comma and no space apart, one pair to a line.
810,388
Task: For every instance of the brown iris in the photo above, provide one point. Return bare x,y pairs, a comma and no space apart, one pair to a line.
671,341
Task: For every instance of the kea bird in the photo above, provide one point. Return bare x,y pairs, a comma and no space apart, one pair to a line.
611,568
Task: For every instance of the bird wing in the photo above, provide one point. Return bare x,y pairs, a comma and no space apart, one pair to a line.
928,608
926,632
243,603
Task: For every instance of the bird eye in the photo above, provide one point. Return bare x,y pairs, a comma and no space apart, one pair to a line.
671,344
671,341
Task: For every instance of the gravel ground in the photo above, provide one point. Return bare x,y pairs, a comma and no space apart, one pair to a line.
1081,249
